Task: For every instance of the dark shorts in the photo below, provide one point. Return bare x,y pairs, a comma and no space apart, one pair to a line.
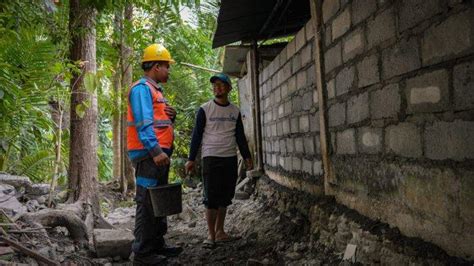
219,176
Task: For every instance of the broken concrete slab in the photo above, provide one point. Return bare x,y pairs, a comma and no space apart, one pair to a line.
112,243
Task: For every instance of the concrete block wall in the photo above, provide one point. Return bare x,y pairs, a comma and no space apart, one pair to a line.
401,114
289,111
399,86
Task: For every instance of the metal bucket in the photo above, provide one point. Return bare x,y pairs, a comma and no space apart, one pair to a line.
166,200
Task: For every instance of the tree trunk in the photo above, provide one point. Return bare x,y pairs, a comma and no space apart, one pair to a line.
126,56
116,142
83,162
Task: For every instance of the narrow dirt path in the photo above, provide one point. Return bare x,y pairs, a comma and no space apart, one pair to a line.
266,237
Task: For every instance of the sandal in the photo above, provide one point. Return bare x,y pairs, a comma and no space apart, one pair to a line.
208,243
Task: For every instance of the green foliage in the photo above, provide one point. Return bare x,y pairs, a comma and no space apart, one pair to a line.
35,72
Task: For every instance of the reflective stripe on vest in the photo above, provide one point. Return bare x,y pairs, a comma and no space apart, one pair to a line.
162,124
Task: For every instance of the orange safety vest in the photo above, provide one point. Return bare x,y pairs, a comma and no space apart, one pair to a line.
162,124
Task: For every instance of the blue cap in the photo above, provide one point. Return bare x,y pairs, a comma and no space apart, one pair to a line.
222,77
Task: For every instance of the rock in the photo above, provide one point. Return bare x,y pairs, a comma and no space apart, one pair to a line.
10,204
112,243
16,181
240,195
192,224
38,189
41,199
32,205
7,189
293,255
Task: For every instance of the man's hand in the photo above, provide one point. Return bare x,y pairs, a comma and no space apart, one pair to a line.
189,167
162,159
170,111
249,164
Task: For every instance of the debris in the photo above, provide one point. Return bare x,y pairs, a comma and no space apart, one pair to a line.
350,253
113,243
27,251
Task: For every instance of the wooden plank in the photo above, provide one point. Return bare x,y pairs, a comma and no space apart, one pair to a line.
317,24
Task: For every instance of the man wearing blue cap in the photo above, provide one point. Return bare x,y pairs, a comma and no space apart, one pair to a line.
220,129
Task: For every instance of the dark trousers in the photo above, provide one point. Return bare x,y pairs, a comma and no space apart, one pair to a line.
149,230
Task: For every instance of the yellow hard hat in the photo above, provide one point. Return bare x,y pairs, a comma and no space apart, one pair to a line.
156,52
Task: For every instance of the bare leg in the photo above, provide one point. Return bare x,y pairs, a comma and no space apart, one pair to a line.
211,215
220,233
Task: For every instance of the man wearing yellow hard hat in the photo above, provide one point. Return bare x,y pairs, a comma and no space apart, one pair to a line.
150,145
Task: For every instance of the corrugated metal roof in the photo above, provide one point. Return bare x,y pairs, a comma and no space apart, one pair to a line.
248,20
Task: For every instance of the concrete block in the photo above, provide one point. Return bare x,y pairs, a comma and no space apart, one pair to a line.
301,80
308,145
112,243
297,103
353,44
304,123
311,75
344,80
386,102
300,39
306,55
412,12
330,8
307,166
288,107
361,9
296,164
299,145
292,85
401,58
290,145
307,100
279,128
346,143
277,95
332,58
314,122
403,139
450,39
428,93
463,80
284,90
296,63
315,98
281,110
317,143
294,125
274,130
276,146
337,114
450,140
282,146
282,162
381,28
317,168
327,35
288,163
368,71
286,71
467,196
286,126
341,24
358,108
370,140
274,160
291,48
309,28
331,88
